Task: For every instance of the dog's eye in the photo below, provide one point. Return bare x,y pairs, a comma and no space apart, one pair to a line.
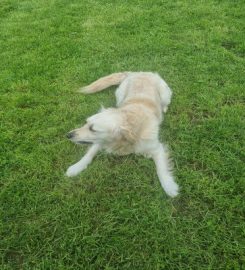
91,128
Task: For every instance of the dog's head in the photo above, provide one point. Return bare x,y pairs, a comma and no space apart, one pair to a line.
99,128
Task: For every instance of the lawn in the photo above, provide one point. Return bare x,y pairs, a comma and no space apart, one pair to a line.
115,214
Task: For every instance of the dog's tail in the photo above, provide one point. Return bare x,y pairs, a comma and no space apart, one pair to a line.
104,82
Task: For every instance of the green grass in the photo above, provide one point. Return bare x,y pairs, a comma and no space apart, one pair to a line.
115,214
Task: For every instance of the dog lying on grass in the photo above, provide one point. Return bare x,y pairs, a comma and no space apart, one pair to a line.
131,127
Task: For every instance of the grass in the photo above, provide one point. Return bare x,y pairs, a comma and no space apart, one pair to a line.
115,215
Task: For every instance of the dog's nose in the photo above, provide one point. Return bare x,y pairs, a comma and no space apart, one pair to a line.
70,135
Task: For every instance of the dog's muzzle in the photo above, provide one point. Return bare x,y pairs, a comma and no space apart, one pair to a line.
70,135
84,142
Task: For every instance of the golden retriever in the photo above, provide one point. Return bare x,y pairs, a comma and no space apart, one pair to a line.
131,127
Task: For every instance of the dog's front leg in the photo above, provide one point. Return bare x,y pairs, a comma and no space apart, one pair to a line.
165,176
84,162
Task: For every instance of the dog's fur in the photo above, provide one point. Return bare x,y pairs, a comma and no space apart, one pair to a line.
132,127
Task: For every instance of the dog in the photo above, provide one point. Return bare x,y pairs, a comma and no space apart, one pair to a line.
131,127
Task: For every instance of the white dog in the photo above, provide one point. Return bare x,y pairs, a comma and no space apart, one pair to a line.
132,127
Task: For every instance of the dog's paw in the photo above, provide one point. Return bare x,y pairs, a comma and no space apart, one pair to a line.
76,169
165,108
73,171
172,189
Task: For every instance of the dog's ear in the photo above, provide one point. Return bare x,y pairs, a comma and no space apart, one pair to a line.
127,133
121,131
116,131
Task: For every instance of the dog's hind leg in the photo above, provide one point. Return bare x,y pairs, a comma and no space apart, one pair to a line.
165,94
84,162
121,92
160,158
